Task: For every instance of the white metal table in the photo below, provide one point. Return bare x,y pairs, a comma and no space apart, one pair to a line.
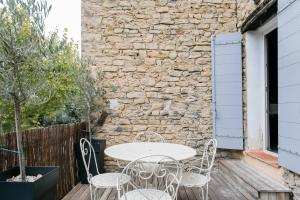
133,151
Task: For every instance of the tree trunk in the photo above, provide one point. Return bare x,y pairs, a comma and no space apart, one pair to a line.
1,128
19,139
89,123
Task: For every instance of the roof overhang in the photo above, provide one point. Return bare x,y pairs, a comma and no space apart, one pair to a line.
260,15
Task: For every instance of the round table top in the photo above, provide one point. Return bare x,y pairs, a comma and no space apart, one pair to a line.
134,151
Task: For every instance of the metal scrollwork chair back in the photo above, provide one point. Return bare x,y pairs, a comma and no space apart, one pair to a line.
88,157
97,181
148,136
208,157
161,182
199,176
145,136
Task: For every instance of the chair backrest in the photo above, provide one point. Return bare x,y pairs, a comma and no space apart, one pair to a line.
148,136
88,157
151,172
209,153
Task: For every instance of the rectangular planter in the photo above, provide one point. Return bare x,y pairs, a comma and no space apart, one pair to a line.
41,189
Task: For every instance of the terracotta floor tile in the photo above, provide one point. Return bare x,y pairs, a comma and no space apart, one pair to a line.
264,157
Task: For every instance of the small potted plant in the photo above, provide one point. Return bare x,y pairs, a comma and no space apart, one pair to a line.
27,59
91,101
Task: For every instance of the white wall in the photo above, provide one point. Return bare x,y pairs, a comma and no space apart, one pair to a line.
255,89
256,81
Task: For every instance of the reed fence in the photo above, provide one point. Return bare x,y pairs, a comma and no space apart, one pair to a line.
51,146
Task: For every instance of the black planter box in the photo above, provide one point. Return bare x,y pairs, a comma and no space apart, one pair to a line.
99,146
41,189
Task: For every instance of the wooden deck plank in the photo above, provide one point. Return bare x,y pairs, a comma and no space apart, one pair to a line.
247,177
85,194
270,184
283,196
225,191
272,196
101,191
197,193
234,181
182,193
82,192
113,195
247,190
190,194
231,187
212,195
220,188
106,194
214,190
259,181
74,195
73,191
264,196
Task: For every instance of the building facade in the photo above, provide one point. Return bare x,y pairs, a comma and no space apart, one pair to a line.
158,63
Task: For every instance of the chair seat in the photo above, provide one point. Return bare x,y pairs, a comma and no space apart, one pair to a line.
146,194
108,180
190,179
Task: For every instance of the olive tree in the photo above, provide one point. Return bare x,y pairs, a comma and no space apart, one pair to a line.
91,95
26,59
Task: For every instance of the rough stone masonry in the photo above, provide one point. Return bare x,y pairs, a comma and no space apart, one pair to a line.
156,56
157,63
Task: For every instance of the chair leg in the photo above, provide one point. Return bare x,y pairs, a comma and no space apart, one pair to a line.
202,194
95,194
119,193
91,192
206,193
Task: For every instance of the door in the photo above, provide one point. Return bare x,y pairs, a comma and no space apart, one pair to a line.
272,91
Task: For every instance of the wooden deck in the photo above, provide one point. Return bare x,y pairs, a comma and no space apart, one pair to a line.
231,180
218,190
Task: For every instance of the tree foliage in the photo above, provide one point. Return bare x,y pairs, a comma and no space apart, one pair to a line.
43,93
42,78
91,97
24,59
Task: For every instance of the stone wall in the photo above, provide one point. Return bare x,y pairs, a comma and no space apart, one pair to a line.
293,181
156,59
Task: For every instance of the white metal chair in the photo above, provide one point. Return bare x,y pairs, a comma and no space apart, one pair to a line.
200,176
105,180
159,183
148,136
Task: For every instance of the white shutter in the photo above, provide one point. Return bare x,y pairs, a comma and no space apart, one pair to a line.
289,84
227,90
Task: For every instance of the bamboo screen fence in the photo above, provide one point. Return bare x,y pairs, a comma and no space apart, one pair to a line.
51,146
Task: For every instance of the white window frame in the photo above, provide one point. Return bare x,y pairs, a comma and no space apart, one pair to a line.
256,71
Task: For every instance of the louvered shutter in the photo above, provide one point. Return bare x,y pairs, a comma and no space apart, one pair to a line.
289,84
227,90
